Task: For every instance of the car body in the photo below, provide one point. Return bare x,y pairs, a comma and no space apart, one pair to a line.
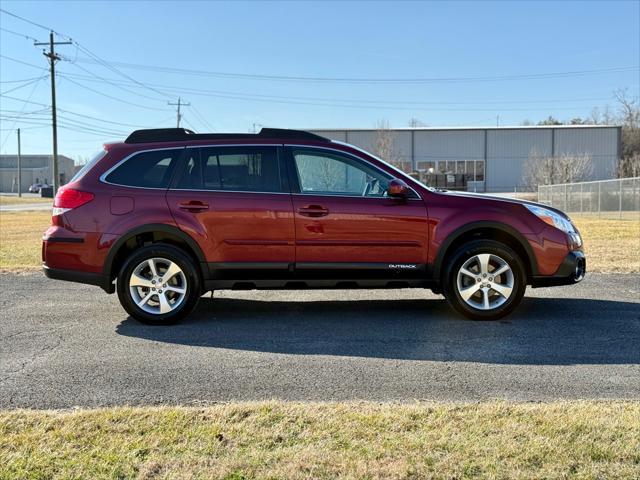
289,209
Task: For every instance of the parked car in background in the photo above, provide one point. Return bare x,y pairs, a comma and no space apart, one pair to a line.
169,214
35,188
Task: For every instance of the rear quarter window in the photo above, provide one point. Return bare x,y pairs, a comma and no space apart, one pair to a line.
146,169
89,165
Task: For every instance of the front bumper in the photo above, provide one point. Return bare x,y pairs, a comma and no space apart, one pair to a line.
572,270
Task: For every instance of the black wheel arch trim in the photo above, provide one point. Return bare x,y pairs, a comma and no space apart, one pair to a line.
152,228
484,224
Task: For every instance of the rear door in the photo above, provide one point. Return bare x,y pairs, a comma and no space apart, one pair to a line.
345,221
235,201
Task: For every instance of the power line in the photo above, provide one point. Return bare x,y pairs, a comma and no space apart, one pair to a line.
70,112
24,105
29,21
293,78
189,124
94,57
23,35
20,113
376,103
202,119
111,82
24,80
121,124
25,101
39,67
24,128
70,124
22,86
14,114
112,97
114,69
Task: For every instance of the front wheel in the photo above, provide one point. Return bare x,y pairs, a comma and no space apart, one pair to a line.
158,284
484,280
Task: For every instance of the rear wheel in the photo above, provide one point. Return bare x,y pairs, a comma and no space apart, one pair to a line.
158,284
484,280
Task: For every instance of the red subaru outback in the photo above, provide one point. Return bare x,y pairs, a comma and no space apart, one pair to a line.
170,214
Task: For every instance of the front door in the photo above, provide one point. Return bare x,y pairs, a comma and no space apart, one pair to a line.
344,219
236,202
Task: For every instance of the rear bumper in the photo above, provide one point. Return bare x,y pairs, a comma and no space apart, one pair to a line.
89,278
572,270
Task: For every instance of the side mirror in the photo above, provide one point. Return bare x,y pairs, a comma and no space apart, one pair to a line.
397,188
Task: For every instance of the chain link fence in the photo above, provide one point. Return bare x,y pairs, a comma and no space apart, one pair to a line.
618,198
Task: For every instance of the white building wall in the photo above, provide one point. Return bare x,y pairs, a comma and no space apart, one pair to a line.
507,149
507,153
599,143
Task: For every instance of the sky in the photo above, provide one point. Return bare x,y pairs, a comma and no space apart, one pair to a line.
307,65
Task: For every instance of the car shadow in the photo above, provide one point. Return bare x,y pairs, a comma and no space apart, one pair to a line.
543,331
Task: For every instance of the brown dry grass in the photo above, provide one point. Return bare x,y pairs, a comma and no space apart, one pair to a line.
610,245
281,440
21,240
15,200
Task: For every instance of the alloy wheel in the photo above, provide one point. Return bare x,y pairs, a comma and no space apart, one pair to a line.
485,281
158,286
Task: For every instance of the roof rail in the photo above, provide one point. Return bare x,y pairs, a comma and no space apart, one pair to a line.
152,135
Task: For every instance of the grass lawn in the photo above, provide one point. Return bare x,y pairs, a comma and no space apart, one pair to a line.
326,440
611,245
21,240
15,200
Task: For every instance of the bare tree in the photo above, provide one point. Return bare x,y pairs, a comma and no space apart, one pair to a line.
629,118
384,143
629,166
322,174
546,170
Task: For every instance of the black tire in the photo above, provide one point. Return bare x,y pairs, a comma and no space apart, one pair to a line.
466,252
191,277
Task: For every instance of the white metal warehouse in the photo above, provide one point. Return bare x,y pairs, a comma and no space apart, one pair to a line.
491,158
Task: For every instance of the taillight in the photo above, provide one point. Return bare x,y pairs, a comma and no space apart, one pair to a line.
68,199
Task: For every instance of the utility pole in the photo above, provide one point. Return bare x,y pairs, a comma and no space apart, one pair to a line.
178,114
51,55
497,120
19,167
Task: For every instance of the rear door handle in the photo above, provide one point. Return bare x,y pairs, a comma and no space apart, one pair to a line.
313,211
193,206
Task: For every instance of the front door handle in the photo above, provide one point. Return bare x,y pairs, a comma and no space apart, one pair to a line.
313,211
194,206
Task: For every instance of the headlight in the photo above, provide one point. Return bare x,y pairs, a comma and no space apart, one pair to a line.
556,220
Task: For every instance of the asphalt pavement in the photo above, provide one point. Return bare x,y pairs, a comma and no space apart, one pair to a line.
65,345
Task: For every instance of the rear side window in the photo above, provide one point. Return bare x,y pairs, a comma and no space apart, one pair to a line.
243,169
146,169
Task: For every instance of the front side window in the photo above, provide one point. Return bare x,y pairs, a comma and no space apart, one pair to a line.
327,173
146,169
244,169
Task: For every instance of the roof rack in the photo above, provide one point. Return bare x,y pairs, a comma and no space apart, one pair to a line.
182,134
